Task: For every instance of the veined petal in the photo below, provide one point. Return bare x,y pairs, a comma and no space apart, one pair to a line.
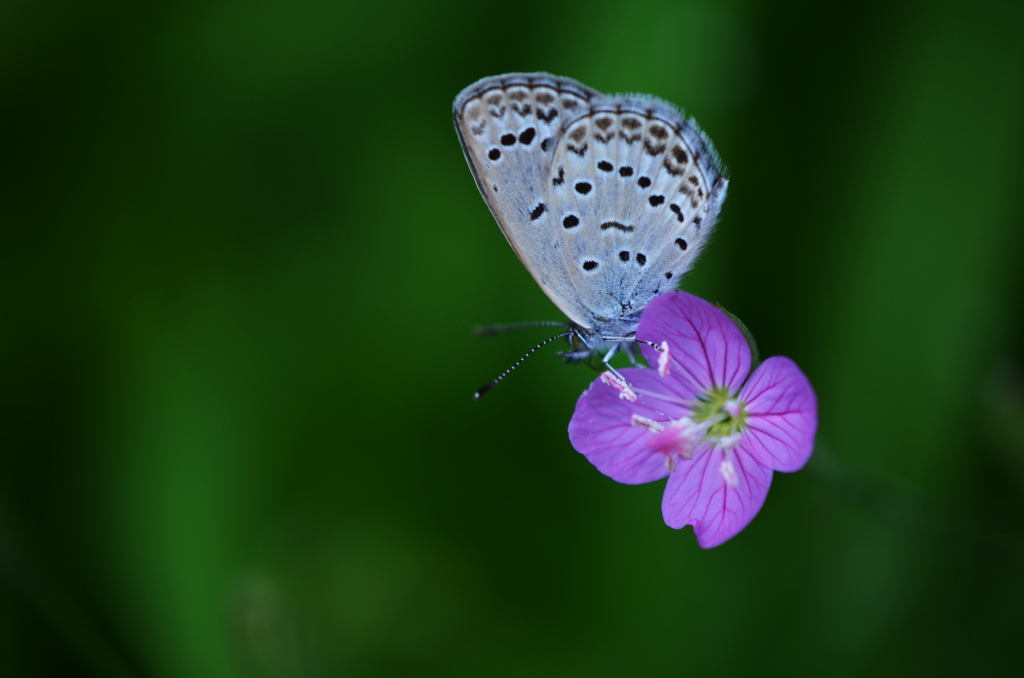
602,427
708,349
782,415
719,499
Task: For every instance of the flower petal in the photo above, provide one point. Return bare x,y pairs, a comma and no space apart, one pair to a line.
782,415
602,427
717,500
707,347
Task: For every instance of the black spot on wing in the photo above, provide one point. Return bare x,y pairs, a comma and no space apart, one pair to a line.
560,179
616,225
547,116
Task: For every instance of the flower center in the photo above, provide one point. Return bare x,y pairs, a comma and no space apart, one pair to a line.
717,418
728,415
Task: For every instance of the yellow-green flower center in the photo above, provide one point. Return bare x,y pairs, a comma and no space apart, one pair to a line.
728,413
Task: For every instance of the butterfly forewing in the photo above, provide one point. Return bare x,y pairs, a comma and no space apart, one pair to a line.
606,200
509,126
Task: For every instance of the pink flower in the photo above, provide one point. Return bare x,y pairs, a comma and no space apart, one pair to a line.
701,419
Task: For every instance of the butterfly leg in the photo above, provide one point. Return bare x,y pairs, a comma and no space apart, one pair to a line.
614,350
632,349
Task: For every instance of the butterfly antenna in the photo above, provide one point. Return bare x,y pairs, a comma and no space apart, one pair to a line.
494,382
656,347
491,330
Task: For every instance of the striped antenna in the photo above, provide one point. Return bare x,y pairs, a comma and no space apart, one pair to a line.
494,382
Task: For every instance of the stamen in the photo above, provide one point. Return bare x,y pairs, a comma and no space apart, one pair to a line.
730,441
733,407
648,424
663,360
684,374
675,400
678,439
728,472
620,385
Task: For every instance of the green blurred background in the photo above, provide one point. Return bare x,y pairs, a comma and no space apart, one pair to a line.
242,256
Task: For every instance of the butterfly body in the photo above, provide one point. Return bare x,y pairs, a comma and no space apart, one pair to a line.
607,200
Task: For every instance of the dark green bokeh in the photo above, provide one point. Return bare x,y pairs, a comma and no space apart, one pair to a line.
242,255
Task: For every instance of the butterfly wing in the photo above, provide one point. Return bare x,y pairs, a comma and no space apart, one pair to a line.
509,126
647,187
606,200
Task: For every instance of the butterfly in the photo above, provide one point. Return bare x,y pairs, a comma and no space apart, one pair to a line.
607,200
